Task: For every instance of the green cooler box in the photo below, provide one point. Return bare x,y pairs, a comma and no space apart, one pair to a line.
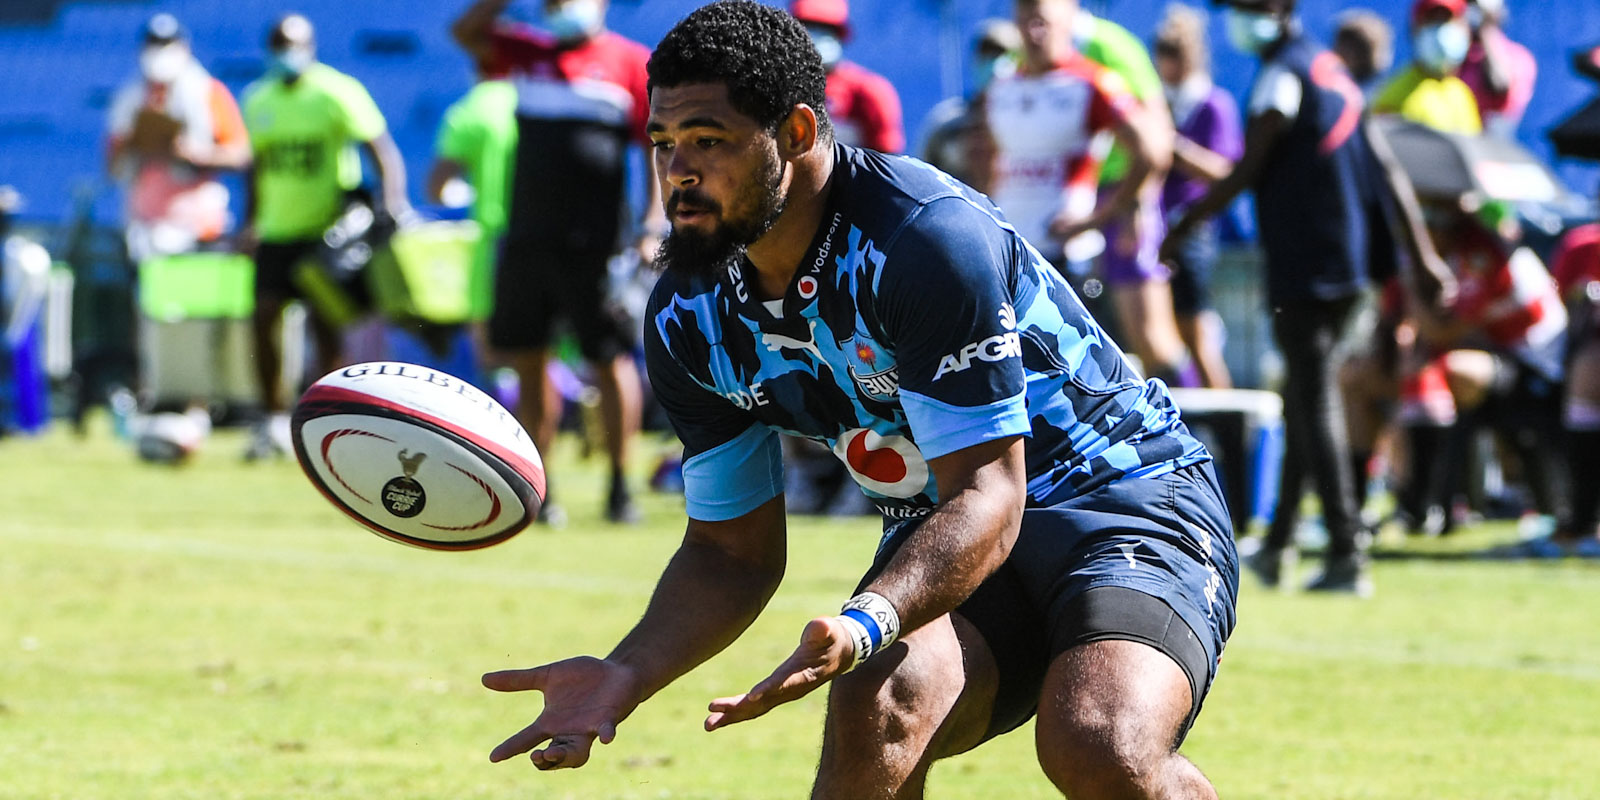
195,343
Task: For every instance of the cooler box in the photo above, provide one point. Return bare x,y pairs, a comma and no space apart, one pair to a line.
427,275
195,343
1243,429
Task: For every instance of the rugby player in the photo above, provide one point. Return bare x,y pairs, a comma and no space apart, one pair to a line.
1054,542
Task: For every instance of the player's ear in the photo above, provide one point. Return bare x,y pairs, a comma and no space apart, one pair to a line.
797,134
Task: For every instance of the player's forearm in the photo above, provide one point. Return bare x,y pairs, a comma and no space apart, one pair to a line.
967,537
391,170
706,598
1197,161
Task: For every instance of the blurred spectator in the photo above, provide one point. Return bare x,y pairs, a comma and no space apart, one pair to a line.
863,105
476,144
1500,71
1577,271
1130,264
1501,342
1365,43
1428,91
306,121
581,100
1307,157
953,139
172,128
1209,141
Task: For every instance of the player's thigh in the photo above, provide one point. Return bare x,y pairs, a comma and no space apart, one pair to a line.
1470,374
1112,705
929,695
1143,560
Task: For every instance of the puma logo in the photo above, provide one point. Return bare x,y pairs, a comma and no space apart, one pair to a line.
776,342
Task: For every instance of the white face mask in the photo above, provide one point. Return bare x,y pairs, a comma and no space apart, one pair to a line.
1442,48
1250,32
578,19
163,63
828,44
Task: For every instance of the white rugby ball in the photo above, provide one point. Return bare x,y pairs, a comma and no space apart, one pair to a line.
418,456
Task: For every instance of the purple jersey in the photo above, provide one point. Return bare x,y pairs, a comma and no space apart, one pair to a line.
1208,116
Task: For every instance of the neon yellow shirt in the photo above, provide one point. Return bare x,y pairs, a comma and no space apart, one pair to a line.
479,132
303,135
1444,104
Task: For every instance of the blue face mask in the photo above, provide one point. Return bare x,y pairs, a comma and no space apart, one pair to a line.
828,44
985,70
1440,49
578,19
291,63
1251,32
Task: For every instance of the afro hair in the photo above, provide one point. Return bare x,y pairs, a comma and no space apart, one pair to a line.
762,54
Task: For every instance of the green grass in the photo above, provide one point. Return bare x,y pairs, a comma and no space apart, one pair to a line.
219,631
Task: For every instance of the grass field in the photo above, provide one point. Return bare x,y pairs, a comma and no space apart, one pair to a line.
219,631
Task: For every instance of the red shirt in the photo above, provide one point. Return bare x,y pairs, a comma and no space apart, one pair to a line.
599,80
1577,266
865,109
1510,296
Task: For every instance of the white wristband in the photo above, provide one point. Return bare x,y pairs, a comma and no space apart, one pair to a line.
873,624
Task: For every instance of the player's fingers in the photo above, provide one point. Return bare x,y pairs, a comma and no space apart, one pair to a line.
520,742
568,751
517,680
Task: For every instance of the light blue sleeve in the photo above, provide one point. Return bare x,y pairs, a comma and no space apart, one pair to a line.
735,477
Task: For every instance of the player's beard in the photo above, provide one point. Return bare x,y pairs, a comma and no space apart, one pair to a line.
693,253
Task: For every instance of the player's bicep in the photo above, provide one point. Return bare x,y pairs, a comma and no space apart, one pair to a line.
757,537
950,315
732,463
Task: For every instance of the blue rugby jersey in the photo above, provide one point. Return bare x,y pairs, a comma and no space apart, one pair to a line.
919,323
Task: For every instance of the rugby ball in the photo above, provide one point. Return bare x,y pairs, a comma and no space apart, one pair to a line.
418,456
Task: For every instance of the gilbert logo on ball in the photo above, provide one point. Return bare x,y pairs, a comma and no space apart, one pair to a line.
469,475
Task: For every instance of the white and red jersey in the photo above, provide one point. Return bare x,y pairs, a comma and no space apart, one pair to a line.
1576,267
1511,298
1051,133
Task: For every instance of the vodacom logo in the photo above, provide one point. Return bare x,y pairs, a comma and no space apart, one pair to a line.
889,465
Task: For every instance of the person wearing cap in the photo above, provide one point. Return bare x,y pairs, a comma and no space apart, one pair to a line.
1209,140
308,124
1428,91
581,103
952,139
173,128
863,104
1500,71
1319,211
1577,271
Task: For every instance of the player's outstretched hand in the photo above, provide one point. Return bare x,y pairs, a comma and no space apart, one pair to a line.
825,652
584,699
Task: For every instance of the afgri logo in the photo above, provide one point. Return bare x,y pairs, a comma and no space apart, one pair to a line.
994,348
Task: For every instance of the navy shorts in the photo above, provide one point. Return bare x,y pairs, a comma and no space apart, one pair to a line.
1149,560
1196,260
537,286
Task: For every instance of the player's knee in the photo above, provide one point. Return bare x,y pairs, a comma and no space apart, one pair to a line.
1091,750
1098,756
875,704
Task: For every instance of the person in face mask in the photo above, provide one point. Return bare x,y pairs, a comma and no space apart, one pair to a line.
1428,90
1500,72
863,104
581,102
309,124
171,128
952,140
1209,140
1310,163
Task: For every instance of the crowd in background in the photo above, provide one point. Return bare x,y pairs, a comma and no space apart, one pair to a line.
1112,150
